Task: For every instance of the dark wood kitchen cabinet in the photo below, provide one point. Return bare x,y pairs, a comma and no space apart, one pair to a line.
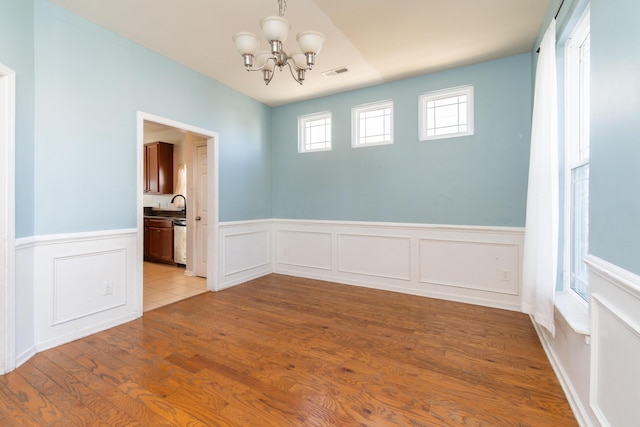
158,240
158,168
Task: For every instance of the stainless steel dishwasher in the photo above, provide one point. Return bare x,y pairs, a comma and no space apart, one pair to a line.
180,241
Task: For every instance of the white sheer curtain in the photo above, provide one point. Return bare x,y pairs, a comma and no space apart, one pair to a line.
540,258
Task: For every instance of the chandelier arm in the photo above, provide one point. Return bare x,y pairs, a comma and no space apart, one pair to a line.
260,68
271,74
291,71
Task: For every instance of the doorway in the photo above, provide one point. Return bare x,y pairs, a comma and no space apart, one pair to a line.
163,284
7,220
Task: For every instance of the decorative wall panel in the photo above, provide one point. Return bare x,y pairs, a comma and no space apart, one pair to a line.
483,266
244,252
87,284
375,255
304,249
84,283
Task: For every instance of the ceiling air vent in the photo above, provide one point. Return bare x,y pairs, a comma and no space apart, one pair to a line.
335,72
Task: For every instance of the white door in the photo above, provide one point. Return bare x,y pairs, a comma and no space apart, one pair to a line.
201,210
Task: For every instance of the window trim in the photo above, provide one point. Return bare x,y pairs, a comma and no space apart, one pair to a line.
575,311
355,122
302,119
572,132
443,94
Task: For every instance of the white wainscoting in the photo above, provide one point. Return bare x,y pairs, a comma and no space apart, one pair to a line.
245,251
82,283
365,254
77,284
478,265
25,345
615,343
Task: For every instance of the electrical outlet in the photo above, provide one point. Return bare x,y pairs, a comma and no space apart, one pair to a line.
505,275
108,287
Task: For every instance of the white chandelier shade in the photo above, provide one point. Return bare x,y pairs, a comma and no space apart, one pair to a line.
247,43
310,41
300,59
276,30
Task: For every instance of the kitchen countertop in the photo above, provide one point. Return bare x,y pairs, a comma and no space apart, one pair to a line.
163,214
163,217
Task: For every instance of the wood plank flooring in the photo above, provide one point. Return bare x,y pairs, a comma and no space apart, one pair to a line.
284,351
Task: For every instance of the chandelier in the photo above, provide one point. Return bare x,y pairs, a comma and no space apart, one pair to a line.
275,30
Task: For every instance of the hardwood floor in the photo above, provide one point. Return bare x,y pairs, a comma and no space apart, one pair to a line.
284,351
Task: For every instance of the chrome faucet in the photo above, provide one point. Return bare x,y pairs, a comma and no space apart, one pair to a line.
185,201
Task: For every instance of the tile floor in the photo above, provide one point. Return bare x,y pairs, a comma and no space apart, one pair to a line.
165,284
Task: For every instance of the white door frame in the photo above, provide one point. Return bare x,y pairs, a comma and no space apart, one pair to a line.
213,141
7,219
194,170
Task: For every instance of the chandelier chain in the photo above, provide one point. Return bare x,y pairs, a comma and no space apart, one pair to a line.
282,7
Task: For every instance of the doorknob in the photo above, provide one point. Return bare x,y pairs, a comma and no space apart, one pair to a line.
198,218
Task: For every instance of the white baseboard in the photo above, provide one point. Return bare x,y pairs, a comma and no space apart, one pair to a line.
25,355
577,405
90,328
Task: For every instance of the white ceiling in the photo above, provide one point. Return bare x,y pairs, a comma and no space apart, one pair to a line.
377,40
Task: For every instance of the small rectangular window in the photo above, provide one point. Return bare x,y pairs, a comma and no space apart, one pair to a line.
446,113
372,124
314,132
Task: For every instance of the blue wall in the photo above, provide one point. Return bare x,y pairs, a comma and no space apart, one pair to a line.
89,85
16,52
615,133
79,174
475,180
